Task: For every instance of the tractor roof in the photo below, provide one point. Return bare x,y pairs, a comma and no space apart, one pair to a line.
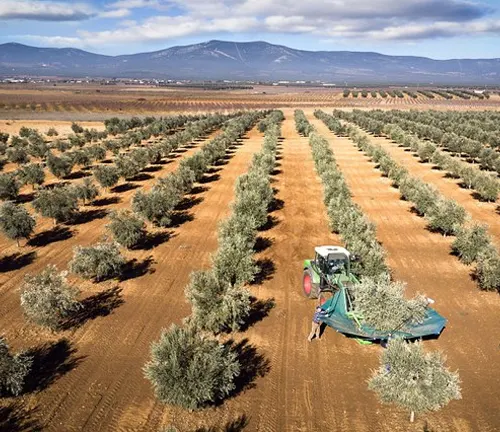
324,251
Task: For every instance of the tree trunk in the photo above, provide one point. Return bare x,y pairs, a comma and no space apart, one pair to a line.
412,416
17,241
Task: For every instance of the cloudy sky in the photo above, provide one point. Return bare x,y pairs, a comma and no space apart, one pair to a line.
433,28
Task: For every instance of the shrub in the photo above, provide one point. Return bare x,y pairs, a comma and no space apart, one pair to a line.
9,187
99,262
13,369
52,132
488,269
32,174
127,229
80,157
46,298
487,186
156,206
382,304
217,305
97,152
15,221
4,137
426,151
106,176
59,166
17,154
59,204
413,379
178,183
196,163
86,191
446,216
76,128
189,370
470,242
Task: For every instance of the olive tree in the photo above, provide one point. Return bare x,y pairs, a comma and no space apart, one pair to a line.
52,132
106,176
470,242
60,204
217,305
46,298
100,261
127,229
32,174
9,186
488,269
60,166
414,379
189,370
446,216
127,166
15,221
87,191
156,206
17,154
13,369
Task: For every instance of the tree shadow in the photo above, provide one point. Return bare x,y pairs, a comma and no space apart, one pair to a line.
153,240
180,218
271,222
51,361
77,175
84,217
97,305
26,197
262,243
213,170
16,261
58,233
141,177
259,309
102,202
276,172
266,271
188,202
152,168
209,178
125,187
276,204
15,418
198,190
252,365
236,425
134,269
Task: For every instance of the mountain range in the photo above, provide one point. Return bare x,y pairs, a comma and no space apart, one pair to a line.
260,61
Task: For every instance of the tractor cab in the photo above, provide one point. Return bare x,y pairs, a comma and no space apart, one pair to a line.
332,259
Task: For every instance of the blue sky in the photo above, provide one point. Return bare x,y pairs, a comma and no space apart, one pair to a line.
433,28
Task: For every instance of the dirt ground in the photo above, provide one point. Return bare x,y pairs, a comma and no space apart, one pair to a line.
92,373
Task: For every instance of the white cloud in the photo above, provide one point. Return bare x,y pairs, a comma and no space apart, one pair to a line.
133,4
115,13
52,41
44,10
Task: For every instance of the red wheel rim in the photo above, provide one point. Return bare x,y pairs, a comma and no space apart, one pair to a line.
322,300
307,284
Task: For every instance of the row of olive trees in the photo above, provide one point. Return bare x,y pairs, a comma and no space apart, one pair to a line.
380,303
302,124
443,215
218,298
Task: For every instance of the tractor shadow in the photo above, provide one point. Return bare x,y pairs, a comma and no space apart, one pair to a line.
16,261
51,361
98,305
15,418
53,235
237,425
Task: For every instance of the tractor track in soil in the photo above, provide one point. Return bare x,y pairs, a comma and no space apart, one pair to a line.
483,212
422,259
107,390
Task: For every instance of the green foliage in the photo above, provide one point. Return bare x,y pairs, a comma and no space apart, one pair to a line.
76,128
383,306
487,186
59,166
59,203
32,174
156,206
9,187
217,305
17,154
446,216
106,176
4,137
46,298
488,269
426,151
87,191
15,221
189,370
13,369
302,124
470,242
100,261
413,379
52,132
127,229
127,166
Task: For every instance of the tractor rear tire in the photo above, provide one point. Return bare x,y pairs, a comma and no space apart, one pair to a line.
310,289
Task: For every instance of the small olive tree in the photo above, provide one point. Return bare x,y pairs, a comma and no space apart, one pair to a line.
488,269
189,370
106,176
18,155
13,369
32,174
60,204
100,261
470,242
47,297
127,229
9,186
446,216
15,221
60,166
87,191
414,379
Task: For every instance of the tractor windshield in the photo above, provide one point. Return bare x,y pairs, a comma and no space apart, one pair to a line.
337,263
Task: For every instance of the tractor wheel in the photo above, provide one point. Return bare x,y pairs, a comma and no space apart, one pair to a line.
311,290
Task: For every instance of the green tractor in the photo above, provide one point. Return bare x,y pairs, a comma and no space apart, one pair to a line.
328,278
328,272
